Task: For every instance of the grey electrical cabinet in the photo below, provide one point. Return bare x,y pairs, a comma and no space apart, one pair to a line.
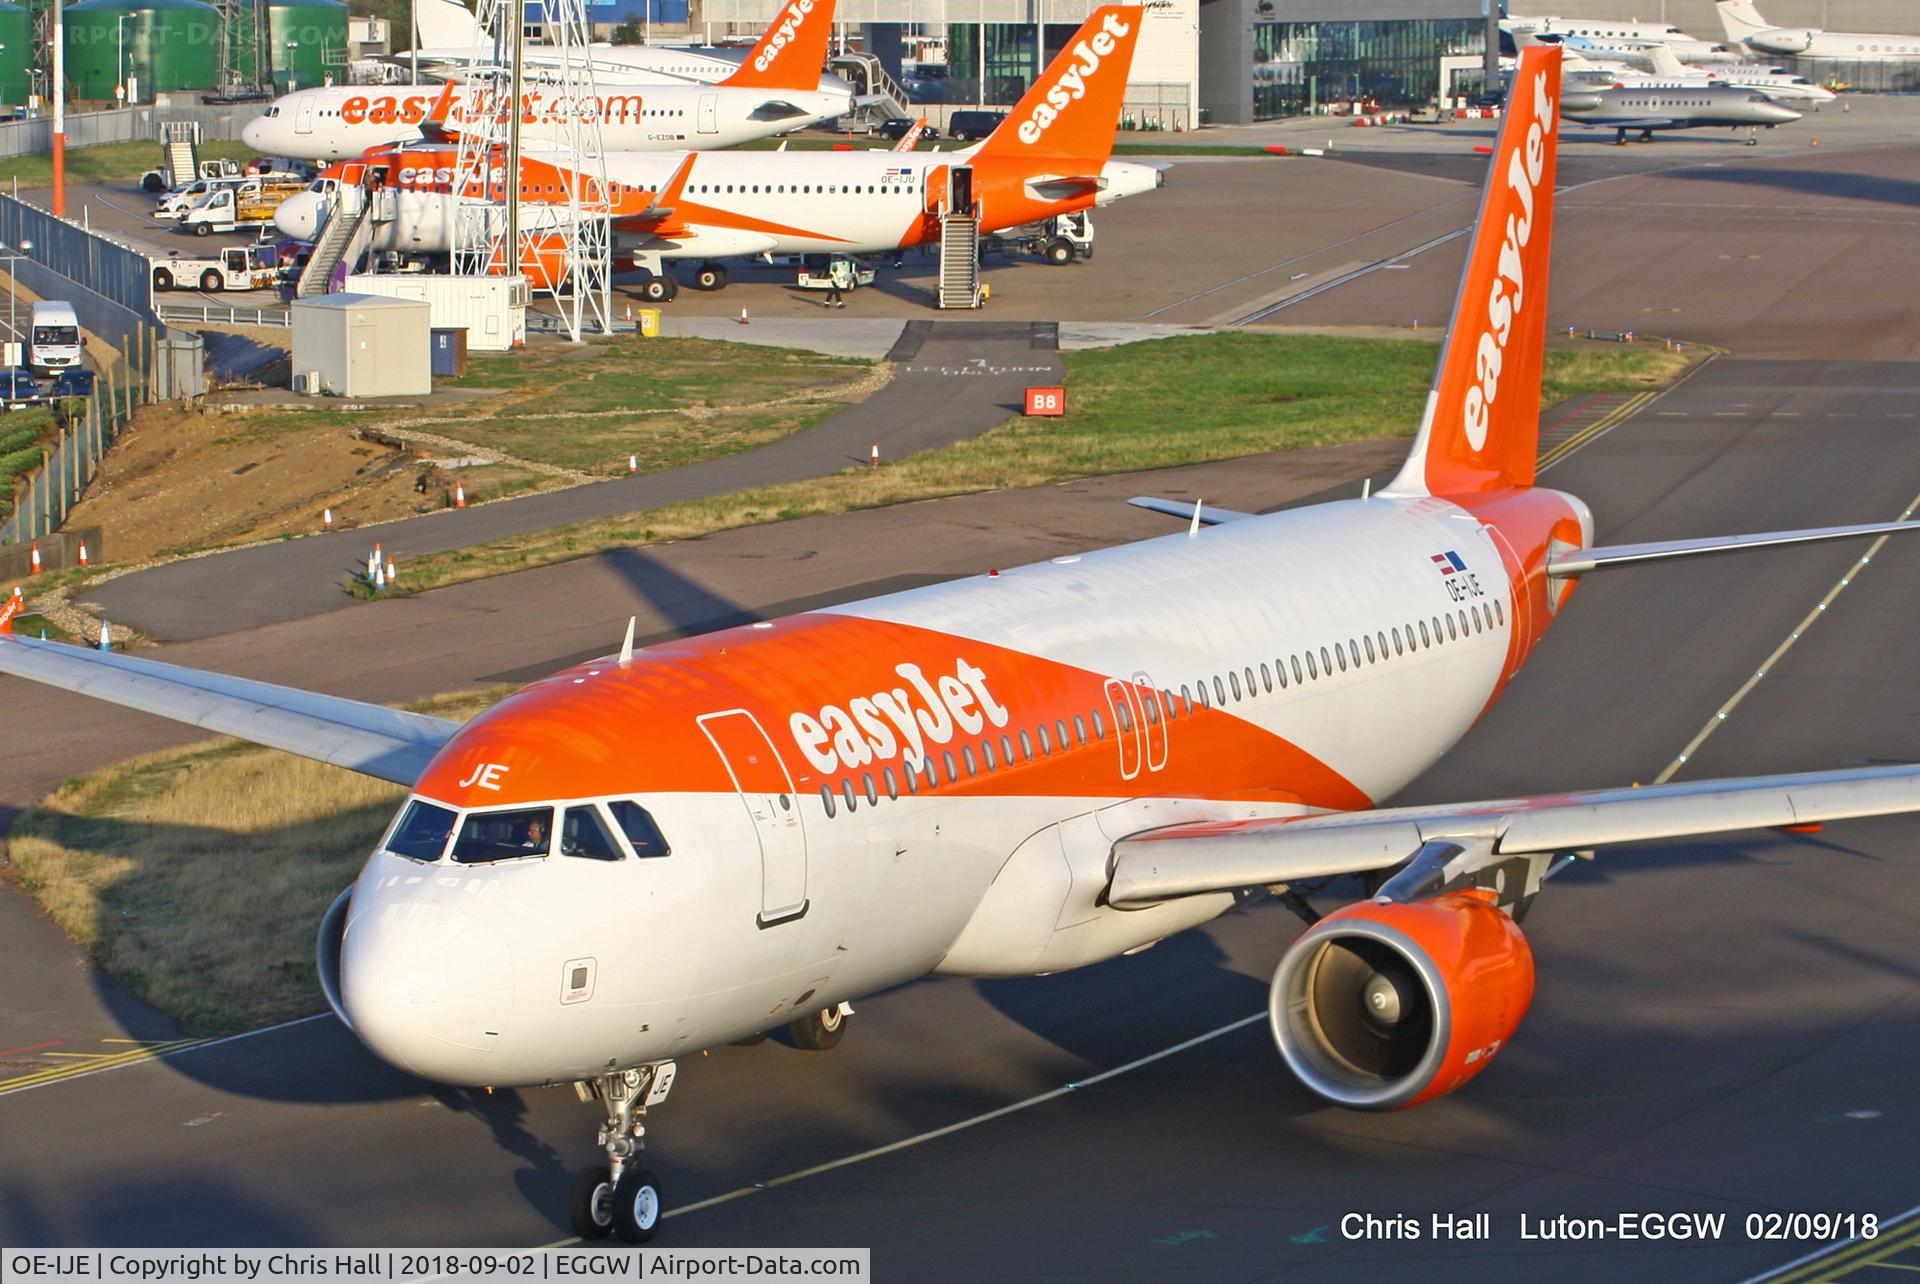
362,345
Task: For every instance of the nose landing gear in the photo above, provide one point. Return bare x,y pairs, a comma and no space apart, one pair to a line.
619,1197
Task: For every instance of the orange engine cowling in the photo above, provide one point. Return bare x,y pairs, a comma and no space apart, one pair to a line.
1383,1006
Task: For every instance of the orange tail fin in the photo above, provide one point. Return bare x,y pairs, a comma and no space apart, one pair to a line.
1073,109
791,52
8,610
1482,426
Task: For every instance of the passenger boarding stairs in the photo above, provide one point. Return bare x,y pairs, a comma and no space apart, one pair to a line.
960,258
180,145
877,96
343,237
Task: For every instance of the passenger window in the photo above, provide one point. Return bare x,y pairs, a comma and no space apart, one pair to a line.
893,787
1295,661
1122,717
986,754
1219,691
953,773
1026,744
1080,729
1312,670
826,799
1424,640
932,776
1266,678
867,787
966,756
912,779
1006,749
1453,634
1499,616
1340,653
1060,734
1185,697
642,834
1099,726
1046,745
1150,707
1250,686
846,792
1234,679
1280,672
422,831
504,835
1326,662
584,834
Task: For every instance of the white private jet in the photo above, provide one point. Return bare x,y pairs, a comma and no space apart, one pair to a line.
666,849
1744,25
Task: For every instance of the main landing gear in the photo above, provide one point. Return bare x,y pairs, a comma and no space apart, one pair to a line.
659,288
619,1197
709,276
819,1031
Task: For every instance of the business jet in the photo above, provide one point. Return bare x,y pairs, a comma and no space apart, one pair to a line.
669,848
453,44
1618,38
775,90
1776,83
1744,26
1052,156
1647,108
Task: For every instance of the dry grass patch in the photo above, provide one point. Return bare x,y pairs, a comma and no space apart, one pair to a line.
198,875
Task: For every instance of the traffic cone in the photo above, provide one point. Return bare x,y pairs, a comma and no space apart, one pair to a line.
83,552
633,465
326,519
873,456
106,639
379,577
393,572
743,315
459,495
36,557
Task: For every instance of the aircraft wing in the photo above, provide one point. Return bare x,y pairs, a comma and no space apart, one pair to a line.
372,739
1187,860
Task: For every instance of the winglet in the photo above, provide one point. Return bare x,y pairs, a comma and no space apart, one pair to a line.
626,647
1481,430
446,24
791,51
1073,110
11,609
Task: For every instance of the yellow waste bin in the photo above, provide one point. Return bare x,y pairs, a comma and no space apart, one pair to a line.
650,323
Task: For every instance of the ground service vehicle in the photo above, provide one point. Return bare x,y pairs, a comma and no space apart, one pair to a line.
251,204
825,271
898,127
1058,240
18,388
161,180
53,337
175,204
972,126
241,267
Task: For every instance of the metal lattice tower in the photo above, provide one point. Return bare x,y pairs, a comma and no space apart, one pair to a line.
573,233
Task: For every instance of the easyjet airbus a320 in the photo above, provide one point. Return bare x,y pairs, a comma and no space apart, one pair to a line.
667,849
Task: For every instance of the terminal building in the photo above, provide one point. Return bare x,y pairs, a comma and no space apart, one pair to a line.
1198,61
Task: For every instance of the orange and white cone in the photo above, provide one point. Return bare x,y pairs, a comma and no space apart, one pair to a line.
83,553
36,558
380,576
633,464
743,315
326,519
873,456
393,572
459,495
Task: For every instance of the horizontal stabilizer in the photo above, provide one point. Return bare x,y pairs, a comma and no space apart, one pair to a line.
1063,187
1580,561
389,744
1184,511
1190,860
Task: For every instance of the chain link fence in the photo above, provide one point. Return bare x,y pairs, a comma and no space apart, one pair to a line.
84,428
126,125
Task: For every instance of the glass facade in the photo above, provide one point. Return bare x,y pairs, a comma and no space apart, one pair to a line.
1011,65
1303,68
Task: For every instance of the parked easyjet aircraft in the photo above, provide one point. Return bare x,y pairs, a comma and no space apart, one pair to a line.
452,43
1050,157
666,849
1744,26
777,88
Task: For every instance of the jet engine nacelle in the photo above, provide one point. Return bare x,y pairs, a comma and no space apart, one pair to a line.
326,951
1380,1006
1780,40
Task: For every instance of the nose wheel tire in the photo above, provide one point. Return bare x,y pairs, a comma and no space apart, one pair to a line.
659,289
818,1031
636,1206
591,1210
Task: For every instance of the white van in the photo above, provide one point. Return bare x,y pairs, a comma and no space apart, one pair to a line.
53,337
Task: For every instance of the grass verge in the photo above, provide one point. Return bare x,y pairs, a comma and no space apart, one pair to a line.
106,162
1145,405
197,875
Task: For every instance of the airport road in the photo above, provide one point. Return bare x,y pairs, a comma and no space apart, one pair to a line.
1724,1025
952,380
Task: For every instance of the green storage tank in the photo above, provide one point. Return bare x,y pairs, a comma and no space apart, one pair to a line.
306,40
166,45
16,53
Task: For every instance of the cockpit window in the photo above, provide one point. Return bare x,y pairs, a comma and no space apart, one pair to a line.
422,831
639,828
583,833
504,835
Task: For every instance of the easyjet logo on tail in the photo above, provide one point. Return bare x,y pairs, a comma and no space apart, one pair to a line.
1081,63
791,20
904,720
1526,165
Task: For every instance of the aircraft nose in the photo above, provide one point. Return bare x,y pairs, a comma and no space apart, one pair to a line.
1779,115
256,134
428,986
298,216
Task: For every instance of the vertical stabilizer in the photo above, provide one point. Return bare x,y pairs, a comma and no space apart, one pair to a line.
447,24
1481,429
1739,19
792,52
1072,111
